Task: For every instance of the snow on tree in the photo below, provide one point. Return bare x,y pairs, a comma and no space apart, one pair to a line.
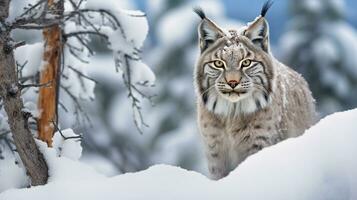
319,165
321,45
66,53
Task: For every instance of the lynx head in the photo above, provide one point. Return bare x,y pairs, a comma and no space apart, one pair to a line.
234,70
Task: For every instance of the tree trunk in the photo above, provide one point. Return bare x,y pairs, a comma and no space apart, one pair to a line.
10,94
47,100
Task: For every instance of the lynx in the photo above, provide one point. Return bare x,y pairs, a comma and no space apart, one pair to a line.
246,99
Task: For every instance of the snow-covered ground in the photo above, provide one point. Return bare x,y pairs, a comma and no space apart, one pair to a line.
321,164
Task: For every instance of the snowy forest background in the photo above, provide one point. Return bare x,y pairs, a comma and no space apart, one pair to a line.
318,38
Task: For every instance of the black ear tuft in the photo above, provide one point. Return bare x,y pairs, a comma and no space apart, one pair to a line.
199,12
266,7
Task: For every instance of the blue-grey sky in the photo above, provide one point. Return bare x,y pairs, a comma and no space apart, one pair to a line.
247,10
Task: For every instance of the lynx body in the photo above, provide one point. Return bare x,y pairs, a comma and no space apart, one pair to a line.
246,99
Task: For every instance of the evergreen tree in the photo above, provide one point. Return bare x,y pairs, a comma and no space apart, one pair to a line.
320,45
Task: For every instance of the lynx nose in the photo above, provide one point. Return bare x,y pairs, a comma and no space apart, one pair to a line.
233,83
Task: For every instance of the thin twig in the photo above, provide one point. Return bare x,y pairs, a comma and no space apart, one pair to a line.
23,86
63,136
81,74
74,34
78,105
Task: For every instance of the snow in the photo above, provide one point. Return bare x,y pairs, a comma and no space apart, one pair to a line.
110,4
100,164
17,8
127,39
102,68
70,148
137,34
3,120
14,175
141,73
31,107
132,34
31,56
321,164
62,160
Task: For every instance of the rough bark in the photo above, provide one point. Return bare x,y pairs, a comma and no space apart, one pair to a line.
26,147
4,8
47,101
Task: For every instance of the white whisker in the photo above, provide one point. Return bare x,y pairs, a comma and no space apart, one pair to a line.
204,92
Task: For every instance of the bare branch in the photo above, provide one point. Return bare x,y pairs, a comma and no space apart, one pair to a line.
34,26
63,107
84,18
75,34
18,44
85,44
107,13
78,105
23,86
81,74
63,136
134,99
72,51
28,10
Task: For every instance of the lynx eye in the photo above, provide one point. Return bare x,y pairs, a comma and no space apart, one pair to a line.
246,63
218,63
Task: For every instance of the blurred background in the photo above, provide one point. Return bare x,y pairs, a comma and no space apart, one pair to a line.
315,37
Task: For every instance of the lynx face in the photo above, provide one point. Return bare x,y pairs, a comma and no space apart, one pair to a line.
235,72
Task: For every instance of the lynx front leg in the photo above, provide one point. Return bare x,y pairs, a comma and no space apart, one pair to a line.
216,151
249,141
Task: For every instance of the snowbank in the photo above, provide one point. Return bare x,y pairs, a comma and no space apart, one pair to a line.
322,164
11,174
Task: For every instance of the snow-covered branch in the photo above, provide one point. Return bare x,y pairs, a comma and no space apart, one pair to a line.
122,30
80,23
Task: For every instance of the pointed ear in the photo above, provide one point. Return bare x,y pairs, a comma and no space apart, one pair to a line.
258,30
258,33
208,31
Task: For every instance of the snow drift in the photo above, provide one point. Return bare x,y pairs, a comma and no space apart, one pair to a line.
321,164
